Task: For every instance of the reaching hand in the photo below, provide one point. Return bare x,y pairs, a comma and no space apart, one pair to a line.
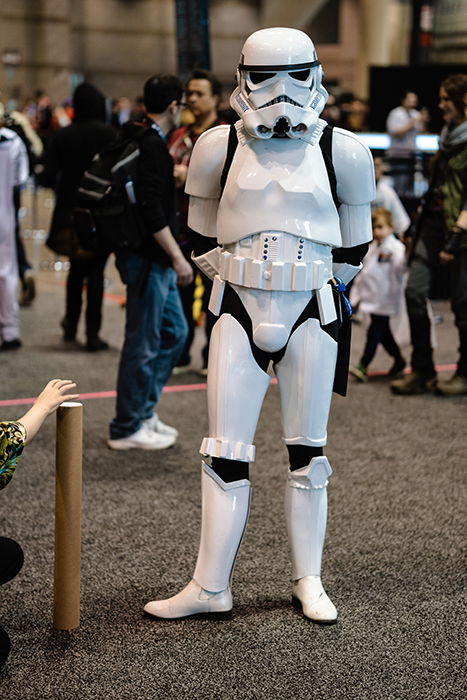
54,393
50,398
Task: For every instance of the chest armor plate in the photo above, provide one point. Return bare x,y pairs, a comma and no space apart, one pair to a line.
279,185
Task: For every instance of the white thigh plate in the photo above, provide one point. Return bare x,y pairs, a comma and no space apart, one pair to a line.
306,377
236,390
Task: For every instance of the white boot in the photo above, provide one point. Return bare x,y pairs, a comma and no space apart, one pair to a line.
225,508
306,514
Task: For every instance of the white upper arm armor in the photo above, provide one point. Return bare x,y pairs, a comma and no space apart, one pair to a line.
356,187
203,182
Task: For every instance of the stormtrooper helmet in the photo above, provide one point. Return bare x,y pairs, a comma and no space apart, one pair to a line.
279,89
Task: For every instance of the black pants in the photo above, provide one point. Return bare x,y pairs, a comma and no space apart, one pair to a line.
89,271
422,270
199,244
11,561
378,332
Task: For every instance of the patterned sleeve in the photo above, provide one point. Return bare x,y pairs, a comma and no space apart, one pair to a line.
12,439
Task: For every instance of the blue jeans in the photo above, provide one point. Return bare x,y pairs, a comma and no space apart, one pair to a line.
155,334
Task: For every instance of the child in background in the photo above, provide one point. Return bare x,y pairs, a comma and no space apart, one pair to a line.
378,290
13,436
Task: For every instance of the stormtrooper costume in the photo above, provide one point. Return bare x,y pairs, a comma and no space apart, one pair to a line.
14,170
277,225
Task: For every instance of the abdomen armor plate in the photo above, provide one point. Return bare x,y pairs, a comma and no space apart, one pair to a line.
278,185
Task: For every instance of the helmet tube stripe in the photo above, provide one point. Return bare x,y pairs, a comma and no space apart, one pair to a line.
294,66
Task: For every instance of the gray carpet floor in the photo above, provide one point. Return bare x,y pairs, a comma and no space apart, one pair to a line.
393,561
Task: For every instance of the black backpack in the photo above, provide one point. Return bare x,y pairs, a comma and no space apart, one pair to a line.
106,216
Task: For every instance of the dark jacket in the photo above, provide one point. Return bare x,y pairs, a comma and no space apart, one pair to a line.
72,149
154,188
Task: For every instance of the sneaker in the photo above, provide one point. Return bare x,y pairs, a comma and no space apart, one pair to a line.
94,344
155,425
455,386
359,372
28,292
143,439
413,383
397,367
10,344
181,369
69,331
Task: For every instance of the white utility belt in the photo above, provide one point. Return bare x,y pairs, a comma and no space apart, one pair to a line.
277,276
222,266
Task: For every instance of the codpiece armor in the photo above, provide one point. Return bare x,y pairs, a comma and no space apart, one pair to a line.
277,224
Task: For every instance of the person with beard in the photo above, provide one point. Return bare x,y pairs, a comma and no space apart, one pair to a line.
203,93
441,239
70,152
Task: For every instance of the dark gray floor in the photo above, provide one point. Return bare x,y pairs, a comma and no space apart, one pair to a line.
393,559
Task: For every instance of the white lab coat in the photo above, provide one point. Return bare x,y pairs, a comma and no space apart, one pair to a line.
14,170
379,287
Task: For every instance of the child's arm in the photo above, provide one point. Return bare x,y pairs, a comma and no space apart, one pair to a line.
46,403
15,434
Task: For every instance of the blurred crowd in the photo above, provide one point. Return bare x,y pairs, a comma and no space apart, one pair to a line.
58,145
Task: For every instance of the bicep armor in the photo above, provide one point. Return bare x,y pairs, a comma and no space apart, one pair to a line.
203,180
355,178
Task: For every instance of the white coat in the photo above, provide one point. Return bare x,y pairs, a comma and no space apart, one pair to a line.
14,171
379,287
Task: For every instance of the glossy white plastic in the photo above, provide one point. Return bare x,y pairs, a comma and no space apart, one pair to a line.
305,375
236,389
306,515
225,508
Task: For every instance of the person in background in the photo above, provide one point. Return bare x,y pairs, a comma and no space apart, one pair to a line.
67,157
387,198
441,239
403,123
203,93
14,435
14,172
155,327
378,290
20,124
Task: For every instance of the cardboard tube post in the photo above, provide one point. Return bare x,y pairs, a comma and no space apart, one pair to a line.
68,487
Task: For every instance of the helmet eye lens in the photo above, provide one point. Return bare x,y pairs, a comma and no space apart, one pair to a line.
300,74
256,78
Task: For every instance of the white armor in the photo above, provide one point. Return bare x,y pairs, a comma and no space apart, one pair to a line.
277,224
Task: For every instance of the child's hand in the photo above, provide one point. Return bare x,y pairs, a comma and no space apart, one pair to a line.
55,392
46,403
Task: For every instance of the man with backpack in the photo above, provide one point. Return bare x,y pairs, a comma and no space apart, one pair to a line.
155,329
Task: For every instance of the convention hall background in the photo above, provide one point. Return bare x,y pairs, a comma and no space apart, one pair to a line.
393,559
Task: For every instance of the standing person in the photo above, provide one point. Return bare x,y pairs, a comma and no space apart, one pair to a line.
70,152
203,94
441,239
14,172
155,328
403,123
20,124
378,291
277,223
387,198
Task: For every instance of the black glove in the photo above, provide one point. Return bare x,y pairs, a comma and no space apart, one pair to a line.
454,239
